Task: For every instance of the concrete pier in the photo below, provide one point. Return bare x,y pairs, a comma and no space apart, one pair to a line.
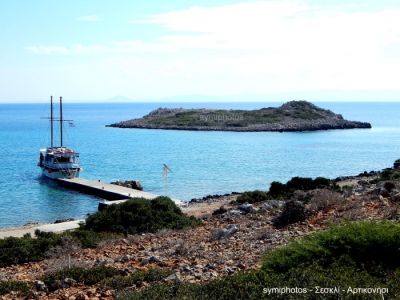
111,193
103,190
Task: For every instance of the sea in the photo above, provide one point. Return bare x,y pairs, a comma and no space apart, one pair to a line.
201,163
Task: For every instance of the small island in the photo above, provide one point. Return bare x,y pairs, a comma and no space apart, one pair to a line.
291,116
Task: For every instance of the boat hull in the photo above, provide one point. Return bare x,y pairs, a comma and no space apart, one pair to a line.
57,174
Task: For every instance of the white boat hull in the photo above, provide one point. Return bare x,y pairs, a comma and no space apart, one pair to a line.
59,174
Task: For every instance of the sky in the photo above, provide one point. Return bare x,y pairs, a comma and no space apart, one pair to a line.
184,50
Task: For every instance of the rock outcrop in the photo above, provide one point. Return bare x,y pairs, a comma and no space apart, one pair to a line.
132,184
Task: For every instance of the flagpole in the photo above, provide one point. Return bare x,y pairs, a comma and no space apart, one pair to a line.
166,169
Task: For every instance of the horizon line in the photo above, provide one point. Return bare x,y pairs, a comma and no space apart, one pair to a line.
194,101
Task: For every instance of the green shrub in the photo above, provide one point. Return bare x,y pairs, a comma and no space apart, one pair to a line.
81,275
136,278
281,190
250,285
90,239
253,197
389,186
390,174
20,287
25,249
136,215
293,212
277,189
245,285
362,254
300,183
321,182
140,215
375,245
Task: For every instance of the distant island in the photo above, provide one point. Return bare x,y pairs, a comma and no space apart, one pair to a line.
291,116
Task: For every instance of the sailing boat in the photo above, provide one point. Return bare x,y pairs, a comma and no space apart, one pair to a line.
58,161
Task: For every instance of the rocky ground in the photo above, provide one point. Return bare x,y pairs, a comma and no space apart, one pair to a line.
233,238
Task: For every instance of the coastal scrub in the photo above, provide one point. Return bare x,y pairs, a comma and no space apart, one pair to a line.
352,256
139,215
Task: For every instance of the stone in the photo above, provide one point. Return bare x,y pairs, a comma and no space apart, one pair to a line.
272,204
102,262
125,258
187,269
41,286
144,261
225,232
137,185
234,213
210,266
68,282
132,184
173,278
247,208
229,270
154,259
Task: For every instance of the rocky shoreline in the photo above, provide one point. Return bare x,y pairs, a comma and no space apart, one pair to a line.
292,116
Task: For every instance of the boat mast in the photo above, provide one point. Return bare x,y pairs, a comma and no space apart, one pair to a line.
51,121
61,123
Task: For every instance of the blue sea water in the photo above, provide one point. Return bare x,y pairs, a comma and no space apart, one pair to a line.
202,163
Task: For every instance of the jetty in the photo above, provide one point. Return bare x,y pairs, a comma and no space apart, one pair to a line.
110,193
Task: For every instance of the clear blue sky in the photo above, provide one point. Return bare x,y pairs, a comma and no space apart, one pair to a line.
94,50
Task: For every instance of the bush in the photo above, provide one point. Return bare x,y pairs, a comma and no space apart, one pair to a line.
81,275
240,286
277,189
26,249
140,215
389,186
250,285
253,197
293,212
323,199
90,239
136,278
370,244
390,174
20,287
280,190
133,216
300,183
